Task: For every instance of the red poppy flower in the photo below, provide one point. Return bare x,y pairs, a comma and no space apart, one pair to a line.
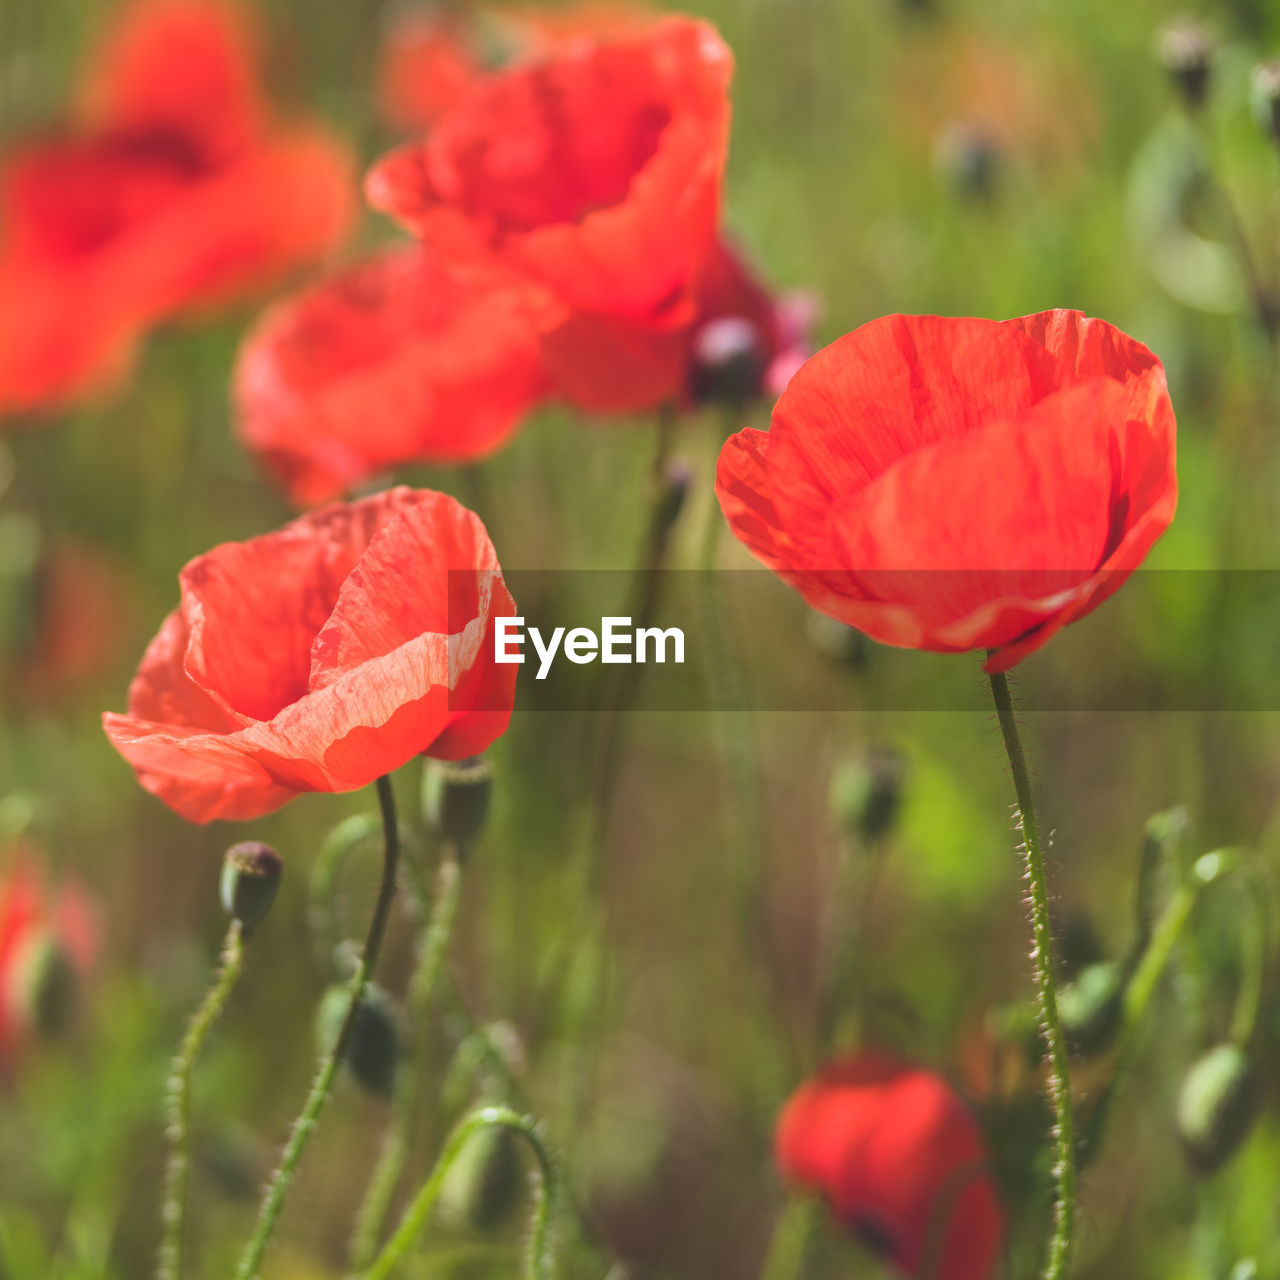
392,361
321,656
954,484
172,189
900,1161
37,926
592,174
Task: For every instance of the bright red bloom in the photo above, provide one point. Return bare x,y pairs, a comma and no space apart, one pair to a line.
172,190
391,361
33,920
592,175
321,656
900,1161
429,61
954,484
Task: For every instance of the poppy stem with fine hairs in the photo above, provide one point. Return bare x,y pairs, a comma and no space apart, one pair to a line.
1042,951
426,982
326,1072
174,1212
539,1260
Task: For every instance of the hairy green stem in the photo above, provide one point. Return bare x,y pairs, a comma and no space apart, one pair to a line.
423,986
1064,1172
539,1263
327,1070
174,1212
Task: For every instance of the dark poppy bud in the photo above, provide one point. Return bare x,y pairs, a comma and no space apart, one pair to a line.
835,640
967,159
1216,1107
373,1049
250,878
1185,50
1090,1007
486,1182
1266,97
729,361
676,479
866,792
44,983
455,797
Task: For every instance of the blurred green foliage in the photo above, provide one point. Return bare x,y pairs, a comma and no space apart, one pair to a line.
852,172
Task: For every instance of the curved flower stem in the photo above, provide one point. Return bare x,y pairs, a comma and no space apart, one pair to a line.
539,1261
1060,1077
304,1126
174,1212
793,1228
423,986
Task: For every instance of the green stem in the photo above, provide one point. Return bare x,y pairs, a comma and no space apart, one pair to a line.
792,1230
1042,951
174,1213
539,1261
423,986
305,1125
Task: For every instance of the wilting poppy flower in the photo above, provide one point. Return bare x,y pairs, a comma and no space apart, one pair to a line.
171,189
45,937
592,175
392,361
321,656
900,1161
954,484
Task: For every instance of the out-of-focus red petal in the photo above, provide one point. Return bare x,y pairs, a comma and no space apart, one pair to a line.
392,361
186,69
428,64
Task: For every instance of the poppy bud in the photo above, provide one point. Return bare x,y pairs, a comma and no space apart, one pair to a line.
835,640
373,1048
250,878
455,797
967,159
728,361
1266,97
1216,1107
44,983
485,1182
1090,1007
865,793
1185,50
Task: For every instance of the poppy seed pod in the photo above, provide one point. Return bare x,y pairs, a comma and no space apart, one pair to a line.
373,1049
485,1182
44,983
728,361
455,797
1265,95
866,792
1090,1007
251,874
1185,50
1216,1107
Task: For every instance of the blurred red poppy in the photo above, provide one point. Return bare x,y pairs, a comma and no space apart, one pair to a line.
321,656
428,61
45,937
592,175
954,484
392,361
171,189
900,1161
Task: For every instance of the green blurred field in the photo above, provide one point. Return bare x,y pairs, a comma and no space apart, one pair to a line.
706,1013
